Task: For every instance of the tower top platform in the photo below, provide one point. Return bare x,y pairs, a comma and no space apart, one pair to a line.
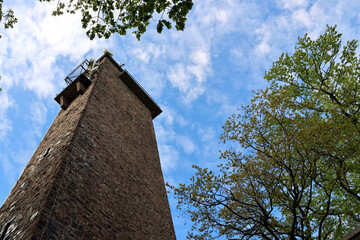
81,78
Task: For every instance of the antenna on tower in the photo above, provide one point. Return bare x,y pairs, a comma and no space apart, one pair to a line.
92,65
107,51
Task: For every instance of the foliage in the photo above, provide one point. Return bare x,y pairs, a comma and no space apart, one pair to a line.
292,171
102,18
7,17
320,78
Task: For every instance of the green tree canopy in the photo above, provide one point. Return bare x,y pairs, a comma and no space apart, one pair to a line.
7,17
293,169
102,18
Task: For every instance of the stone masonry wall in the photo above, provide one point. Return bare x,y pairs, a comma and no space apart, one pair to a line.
21,210
105,182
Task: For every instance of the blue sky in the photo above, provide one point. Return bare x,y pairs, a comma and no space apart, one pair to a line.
199,77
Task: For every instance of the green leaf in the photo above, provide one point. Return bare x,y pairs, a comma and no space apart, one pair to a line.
118,16
291,167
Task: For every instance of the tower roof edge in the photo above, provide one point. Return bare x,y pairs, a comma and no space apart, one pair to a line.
134,86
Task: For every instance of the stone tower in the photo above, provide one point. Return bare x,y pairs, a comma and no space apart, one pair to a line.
96,174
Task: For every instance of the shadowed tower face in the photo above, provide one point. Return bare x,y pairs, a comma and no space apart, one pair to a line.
96,174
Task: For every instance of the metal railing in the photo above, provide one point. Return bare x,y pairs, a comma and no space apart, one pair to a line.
82,68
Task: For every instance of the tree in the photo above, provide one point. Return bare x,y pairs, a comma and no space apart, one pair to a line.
102,18
320,78
7,18
293,171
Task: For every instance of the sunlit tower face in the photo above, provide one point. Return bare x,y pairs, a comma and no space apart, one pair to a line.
96,174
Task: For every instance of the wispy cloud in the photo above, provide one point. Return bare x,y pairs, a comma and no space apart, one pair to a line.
291,4
169,157
5,123
38,117
198,76
33,47
187,144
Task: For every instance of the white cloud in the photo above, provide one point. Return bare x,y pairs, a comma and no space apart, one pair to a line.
13,166
21,157
207,134
164,134
194,93
201,64
9,169
29,55
191,50
237,52
291,4
141,55
169,157
223,17
189,79
214,15
200,57
303,17
169,116
165,124
38,117
147,52
5,124
179,78
263,48
34,45
5,127
187,144
153,81
184,59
